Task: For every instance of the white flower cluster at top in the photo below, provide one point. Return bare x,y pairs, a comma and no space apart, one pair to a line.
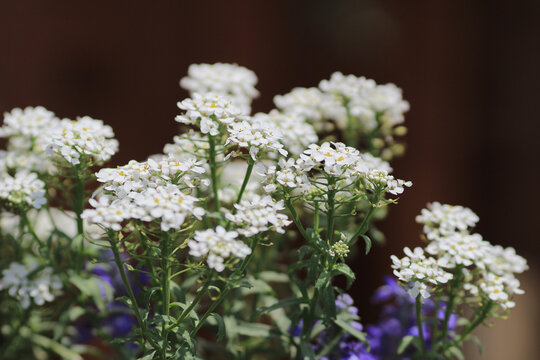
334,159
488,270
256,136
297,134
147,191
352,103
259,214
85,137
23,189
28,132
29,284
232,80
218,244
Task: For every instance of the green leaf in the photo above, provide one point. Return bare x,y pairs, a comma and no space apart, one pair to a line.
278,305
478,343
272,276
352,331
255,329
367,240
307,349
404,344
322,280
98,290
148,356
221,326
456,352
344,269
59,349
329,302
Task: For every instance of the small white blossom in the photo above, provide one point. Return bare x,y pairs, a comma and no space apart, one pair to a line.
43,286
256,136
208,112
443,219
84,137
23,189
259,214
232,80
218,244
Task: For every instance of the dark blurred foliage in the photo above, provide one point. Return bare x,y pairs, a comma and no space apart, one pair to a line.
468,68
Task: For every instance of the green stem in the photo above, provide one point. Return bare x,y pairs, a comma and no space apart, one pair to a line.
201,293
296,219
251,163
363,226
78,206
213,170
31,228
419,325
165,290
330,213
454,287
127,285
483,315
239,271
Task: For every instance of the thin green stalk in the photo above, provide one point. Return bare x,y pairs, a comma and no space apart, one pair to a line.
363,226
240,270
419,324
483,315
316,217
213,170
296,219
165,290
78,206
330,213
127,285
30,227
454,287
251,163
201,293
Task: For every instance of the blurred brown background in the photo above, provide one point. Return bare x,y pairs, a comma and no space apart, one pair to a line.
468,68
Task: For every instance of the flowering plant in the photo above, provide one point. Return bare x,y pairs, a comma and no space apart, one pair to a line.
228,244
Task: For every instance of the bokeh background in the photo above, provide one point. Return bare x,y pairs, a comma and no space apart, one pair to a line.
470,70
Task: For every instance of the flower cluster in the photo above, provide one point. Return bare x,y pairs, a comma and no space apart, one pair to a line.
232,80
357,105
485,271
259,214
147,191
337,160
30,283
23,189
28,132
84,138
218,244
208,112
296,132
256,136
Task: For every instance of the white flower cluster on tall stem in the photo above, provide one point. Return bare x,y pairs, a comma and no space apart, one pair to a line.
256,136
191,143
209,112
296,132
148,191
259,214
28,132
85,137
218,244
28,284
419,270
484,269
338,160
24,189
232,80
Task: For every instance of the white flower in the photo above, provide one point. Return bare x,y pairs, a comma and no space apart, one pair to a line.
232,80
460,249
296,133
256,137
303,102
23,189
443,219
32,122
219,244
208,112
259,214
84,137
416,267
42,286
